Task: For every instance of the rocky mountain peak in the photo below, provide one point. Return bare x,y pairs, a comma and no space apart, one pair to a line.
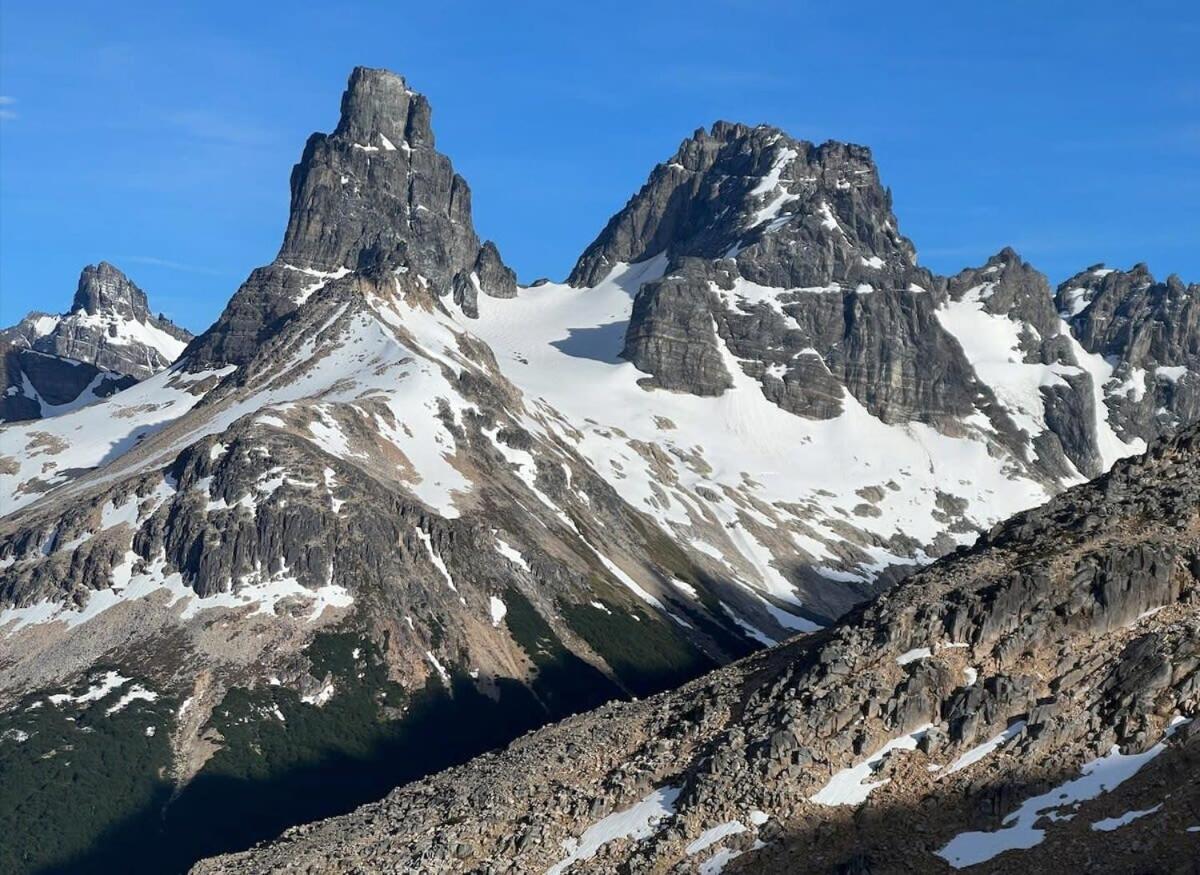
1149,334
106,342
379,104
789,212
375,191
1007,285
103,287
373,195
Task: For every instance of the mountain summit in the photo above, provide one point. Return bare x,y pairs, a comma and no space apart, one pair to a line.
373,195
107,341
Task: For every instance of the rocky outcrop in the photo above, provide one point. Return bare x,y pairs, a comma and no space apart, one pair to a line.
106,342
953,721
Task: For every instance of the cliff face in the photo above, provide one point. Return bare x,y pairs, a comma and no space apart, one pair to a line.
374,194
1149,334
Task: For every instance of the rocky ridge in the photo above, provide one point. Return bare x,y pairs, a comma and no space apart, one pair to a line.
106,342
952,722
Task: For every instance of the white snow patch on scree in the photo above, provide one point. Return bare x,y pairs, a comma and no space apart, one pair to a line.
101,687
321,696
686,588
1108,824
498,609
847,787
913,655
716,864
1017,832
442,673
435,558
980,751
136,693
511,553
757,634
635,823
713,835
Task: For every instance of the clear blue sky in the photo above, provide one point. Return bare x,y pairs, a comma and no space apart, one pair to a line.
161,138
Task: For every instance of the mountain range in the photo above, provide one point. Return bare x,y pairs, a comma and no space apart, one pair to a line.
392,510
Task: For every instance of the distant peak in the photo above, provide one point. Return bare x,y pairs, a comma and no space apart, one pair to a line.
104,287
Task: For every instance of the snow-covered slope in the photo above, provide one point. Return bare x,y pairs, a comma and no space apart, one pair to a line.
746,483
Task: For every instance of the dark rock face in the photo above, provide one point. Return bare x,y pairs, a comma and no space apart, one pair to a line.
104,289
33,380
1150,332
729,192
374,193
106,342
791,253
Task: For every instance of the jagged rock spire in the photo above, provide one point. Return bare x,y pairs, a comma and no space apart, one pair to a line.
377,191
373,195
103,287
380,103
751,194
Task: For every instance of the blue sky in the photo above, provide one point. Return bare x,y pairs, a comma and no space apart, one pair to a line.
161,138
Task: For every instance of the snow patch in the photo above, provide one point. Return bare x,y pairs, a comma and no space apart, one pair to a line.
847,786
1097,777
980,751
913,655
634,823
1108,824
498,610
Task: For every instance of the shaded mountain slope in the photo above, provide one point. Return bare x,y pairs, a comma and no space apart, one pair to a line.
1024,705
